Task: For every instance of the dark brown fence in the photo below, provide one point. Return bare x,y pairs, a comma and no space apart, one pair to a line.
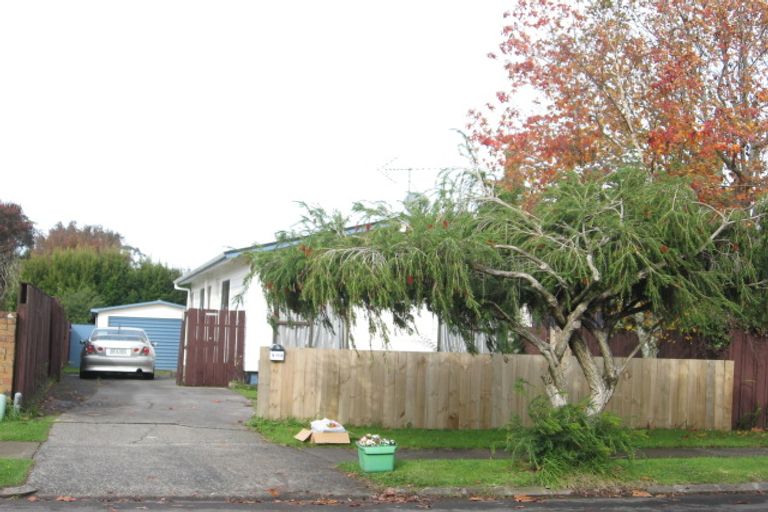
750,374
211,348
42,341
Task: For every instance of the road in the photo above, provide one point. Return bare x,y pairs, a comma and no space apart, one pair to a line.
153,439
730,503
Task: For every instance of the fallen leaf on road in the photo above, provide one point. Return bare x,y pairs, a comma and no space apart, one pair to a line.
325,501
273,492
640,494
68,499
524,498
32,499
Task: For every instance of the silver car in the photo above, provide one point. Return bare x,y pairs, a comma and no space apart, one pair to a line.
118,349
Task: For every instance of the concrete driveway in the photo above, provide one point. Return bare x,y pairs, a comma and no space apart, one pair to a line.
152,439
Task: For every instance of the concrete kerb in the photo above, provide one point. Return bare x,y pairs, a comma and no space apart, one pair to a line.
17,492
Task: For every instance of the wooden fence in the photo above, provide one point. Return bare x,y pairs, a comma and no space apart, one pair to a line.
462,391
748,351
211,348
42,341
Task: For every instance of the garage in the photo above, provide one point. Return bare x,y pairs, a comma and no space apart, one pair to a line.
161,320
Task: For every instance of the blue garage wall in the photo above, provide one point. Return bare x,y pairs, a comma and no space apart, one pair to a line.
163,331
76,333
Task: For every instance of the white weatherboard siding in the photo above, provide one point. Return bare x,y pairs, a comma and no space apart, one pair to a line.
206,282
142,311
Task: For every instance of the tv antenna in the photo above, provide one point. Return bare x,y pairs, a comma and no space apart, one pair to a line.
386,169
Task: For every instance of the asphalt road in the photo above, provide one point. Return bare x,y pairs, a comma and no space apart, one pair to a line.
152,439
706,503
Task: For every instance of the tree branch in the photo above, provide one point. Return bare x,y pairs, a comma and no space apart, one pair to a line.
551,300
543,265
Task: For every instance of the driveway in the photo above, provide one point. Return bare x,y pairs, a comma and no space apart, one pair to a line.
151,439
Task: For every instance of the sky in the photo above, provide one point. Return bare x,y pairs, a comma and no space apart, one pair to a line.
191,127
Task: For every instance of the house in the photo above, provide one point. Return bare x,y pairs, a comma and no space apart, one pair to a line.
161,321
221,284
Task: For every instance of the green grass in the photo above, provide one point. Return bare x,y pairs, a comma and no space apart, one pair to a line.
640,473
678,438
448,473
282,432
25,429
249,391
70,370
13,472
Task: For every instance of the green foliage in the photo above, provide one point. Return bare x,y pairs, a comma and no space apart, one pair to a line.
565,439
85,278
621,243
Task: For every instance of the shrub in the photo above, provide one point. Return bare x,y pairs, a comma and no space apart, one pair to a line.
565,439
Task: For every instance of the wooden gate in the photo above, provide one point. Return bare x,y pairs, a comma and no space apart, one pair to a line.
42,341
211,348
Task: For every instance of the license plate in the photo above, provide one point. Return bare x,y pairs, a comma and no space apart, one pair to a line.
118,351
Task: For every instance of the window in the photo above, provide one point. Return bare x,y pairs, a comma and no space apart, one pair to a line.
225,294
201,305
208,303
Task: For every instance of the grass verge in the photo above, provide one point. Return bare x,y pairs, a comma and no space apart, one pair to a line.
13,472
25,429
282,432
249,391
679,438
485,474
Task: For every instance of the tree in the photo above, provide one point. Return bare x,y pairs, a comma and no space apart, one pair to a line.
680,84
593,251
72,237
85,278
16,237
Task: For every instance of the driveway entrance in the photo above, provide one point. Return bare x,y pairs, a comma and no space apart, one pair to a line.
153,439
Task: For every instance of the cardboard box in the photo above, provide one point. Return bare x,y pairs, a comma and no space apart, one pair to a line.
323,437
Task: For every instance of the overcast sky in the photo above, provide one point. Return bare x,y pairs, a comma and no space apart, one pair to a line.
191,127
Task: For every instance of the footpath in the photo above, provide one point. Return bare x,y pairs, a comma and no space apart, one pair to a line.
332,455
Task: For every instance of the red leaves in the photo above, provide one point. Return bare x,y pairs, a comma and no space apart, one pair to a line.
664,249
671,92
409,280
306,250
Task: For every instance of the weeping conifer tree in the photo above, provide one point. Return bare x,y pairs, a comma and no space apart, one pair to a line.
590,252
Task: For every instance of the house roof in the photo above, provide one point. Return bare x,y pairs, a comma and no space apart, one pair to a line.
235,253
227,256
138,304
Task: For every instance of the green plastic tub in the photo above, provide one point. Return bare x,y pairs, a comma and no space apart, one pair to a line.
376,458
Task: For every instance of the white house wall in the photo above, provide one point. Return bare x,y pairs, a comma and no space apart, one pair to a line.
258,332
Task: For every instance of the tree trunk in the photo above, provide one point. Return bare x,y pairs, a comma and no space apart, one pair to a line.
647,337
601,384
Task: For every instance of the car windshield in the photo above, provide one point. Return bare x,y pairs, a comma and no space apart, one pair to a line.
118,334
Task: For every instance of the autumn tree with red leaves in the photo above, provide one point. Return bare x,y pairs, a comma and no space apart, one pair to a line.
16,236
680,85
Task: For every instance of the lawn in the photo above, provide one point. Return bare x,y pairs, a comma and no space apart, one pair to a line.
488,473
282,432
14,472
247,390
25,429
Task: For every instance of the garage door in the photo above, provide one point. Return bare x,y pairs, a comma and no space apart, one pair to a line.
164,331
